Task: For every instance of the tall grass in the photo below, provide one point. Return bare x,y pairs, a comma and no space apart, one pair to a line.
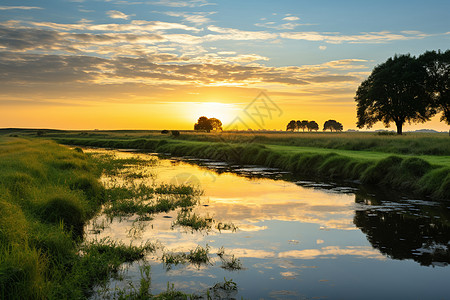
47,193
412,174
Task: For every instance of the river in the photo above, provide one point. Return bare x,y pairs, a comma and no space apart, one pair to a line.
295,239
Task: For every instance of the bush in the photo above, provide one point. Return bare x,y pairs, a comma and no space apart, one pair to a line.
175,133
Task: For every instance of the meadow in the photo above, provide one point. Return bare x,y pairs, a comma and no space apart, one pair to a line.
414,162
418,163
48,193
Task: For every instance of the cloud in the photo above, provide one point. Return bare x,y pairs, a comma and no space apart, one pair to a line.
370,37
19,7
136,26
322,48
38,68
191,3
361,251
236,34
196,17
115,14
292,18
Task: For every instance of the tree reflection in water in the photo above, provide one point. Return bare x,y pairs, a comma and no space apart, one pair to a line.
406,229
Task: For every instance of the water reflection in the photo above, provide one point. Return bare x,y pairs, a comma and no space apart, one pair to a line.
406,229
295,237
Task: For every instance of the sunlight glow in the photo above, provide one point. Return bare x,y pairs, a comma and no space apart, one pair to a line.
225,112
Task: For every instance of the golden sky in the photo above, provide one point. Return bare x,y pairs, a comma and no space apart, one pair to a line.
162,64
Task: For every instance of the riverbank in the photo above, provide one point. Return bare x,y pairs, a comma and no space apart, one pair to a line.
425,176
48,193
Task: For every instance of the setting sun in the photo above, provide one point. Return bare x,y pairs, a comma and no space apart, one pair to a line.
223,111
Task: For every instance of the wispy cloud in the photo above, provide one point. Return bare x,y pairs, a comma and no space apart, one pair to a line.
195,17
291,18
19,7
191,3
236,34
369,37
115,14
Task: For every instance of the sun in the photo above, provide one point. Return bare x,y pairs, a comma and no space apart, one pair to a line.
225,112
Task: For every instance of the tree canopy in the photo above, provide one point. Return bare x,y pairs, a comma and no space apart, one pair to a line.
206,124
437,67
305,124
292,125
332,125
394,92
312,125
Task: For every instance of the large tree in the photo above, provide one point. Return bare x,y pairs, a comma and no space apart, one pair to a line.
203,123
216,124
394,92
437,67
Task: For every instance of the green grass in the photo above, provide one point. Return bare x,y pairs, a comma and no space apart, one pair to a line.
47,193
198,256
338,156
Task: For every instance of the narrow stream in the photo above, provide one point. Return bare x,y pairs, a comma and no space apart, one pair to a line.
295,239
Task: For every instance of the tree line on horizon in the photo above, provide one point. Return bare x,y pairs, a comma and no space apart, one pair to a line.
406,88
313,126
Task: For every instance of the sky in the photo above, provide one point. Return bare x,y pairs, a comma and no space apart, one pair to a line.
159,64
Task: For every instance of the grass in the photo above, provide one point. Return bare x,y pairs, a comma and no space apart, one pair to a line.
409,143
47,193
229,262
337,156
196,222
198,256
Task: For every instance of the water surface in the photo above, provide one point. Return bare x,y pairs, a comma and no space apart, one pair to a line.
296,239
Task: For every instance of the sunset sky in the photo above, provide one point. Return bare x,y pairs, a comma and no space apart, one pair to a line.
109,64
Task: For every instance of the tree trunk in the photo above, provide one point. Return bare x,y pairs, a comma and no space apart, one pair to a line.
399,127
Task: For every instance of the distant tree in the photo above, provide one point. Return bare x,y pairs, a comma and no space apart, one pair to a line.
303,125
298,125
394,92
437,67
312,125
332,125
203,123
291,126
206,124
40,133
175,133
216,124
164,131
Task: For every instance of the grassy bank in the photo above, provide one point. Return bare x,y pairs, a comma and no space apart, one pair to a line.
425,176
435,144
47,192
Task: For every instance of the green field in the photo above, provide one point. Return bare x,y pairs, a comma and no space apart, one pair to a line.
418,163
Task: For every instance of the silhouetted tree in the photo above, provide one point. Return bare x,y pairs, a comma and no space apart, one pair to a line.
394,92
437,67
203,123
206,124
292,125
304,125
216,124
298,125
312,125
165,131
332,125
